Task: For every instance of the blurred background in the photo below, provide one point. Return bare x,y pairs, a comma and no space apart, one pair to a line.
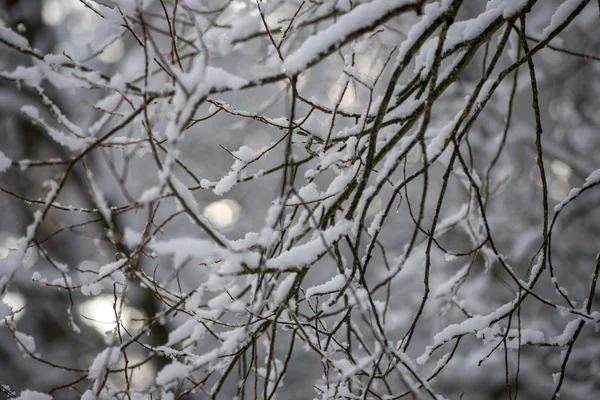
568,88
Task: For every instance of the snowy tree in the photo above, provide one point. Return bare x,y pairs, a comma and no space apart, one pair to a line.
337,199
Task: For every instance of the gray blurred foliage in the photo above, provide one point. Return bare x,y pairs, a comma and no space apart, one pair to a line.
490,363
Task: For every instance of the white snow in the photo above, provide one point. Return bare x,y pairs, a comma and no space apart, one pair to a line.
181,332
31,76
449,257
425,57
65,281
308,193
376,223
511,7
92,289
68,140
186,196
592,179
5,162
283,288
245,26
27,343
513,45
446,287
221,301
569,332
560,15
220,79
108,269
570,196
109,103
118,82
131,238
171,373
463,31
99,199
307,253
470,325
183,248
5,310
243,156
150,194
33,395
430,13
88,395
361,46
530,336
227,182
362,16
334,284
437,144
535,269
106,359
11,37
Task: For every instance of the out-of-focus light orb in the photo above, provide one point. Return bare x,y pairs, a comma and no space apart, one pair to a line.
561,169
99,314
222,213
559,183
79,16
349,100
558,189
16,301
113,52
9,242
143,376
53,12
